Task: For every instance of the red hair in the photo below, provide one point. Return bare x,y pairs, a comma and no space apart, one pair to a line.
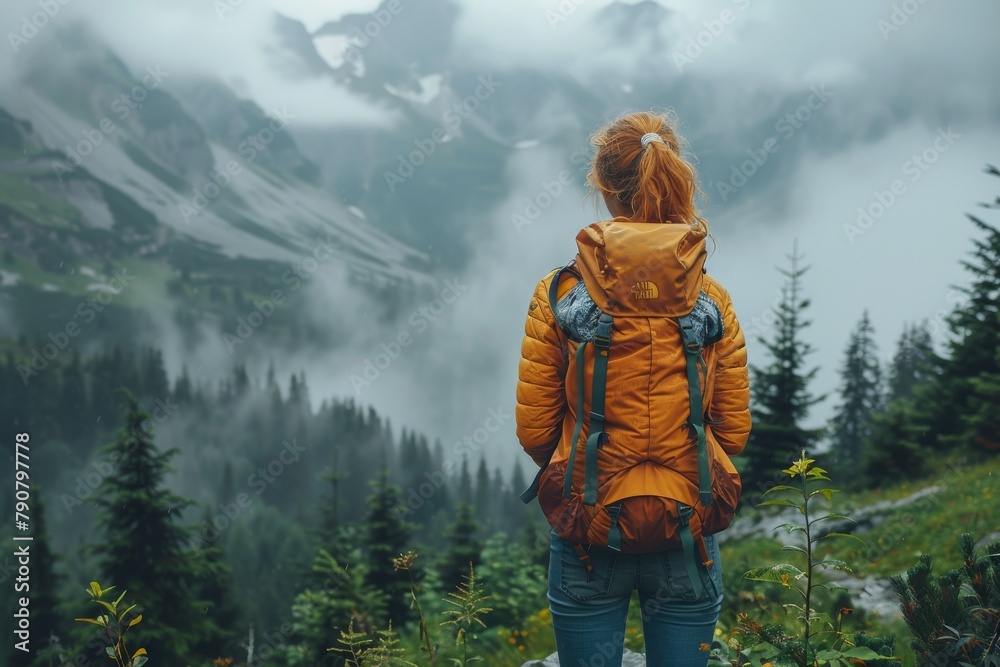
655,183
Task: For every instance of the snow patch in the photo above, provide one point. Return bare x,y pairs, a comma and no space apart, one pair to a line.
8,278
103,287
430,88
332,49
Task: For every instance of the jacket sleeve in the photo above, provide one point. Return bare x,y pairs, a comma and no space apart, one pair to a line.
541,394
730,403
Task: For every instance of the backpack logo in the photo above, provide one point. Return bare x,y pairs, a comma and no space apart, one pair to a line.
645,289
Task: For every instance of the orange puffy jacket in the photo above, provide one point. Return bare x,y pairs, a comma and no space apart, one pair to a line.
643,275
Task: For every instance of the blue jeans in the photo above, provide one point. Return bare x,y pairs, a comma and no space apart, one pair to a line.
589,616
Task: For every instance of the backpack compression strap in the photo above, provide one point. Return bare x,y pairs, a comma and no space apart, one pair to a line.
692,352
580,356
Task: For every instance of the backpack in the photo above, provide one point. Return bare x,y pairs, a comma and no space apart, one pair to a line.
657,508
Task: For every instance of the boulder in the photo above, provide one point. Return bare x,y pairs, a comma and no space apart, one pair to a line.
630,659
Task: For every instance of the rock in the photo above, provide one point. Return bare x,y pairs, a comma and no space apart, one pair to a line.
629,659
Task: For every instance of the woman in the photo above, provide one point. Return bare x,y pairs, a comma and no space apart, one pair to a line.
632,395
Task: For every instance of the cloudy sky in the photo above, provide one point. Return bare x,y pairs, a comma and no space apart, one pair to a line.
888,94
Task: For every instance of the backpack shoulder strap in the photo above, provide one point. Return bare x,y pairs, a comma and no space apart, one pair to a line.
556,279
693,354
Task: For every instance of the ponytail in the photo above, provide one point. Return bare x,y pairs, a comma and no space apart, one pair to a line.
654,182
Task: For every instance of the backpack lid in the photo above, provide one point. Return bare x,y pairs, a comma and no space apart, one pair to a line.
646,269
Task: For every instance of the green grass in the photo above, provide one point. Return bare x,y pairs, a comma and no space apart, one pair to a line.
968,501
33,204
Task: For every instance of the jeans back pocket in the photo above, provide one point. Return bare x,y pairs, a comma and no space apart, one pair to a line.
679,580
573,577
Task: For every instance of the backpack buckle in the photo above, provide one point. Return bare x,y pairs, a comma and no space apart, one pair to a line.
602,337
684,513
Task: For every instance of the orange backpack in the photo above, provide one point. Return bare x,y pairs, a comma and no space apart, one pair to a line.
630,486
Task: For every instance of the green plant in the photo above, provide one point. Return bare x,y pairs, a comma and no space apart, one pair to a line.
116,623
954,617
831,645
405,562
468,601
361,650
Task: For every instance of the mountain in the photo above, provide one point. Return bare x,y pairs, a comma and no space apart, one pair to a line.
202,195
212,198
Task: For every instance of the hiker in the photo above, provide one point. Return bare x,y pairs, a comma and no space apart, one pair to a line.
632,394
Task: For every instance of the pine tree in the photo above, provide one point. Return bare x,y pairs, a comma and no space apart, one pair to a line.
954,616
46,622
72,402
182,387
914,363
143,549
484,494
781,399
971,374
861,396
892,450
462,537
154,376
387,537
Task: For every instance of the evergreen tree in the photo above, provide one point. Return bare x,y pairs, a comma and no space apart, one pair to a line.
485,497
781,399
892,450
143,549
387,537
154,376
914,363
212,587
336,597
971,374
462,537
47,626
182,387
861,396
72,402
954,616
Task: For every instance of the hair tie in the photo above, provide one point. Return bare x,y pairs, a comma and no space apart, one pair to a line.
650,137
